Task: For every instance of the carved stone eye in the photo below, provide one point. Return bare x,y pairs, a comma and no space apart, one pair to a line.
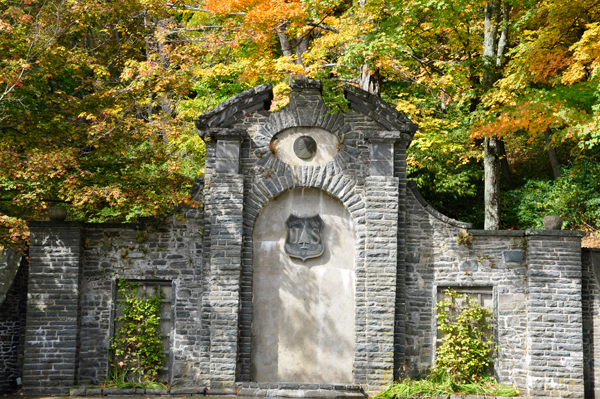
301,146
305,147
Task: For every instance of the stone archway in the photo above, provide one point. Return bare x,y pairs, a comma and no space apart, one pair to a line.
303,327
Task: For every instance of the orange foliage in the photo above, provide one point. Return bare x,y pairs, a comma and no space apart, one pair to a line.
546,64
531,116
261,18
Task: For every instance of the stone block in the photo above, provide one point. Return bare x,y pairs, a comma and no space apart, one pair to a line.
469,265
381,168
220,391
157,392
252,392
77,392
191,391
514,256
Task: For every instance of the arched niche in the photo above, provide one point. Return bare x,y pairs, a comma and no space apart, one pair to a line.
303,320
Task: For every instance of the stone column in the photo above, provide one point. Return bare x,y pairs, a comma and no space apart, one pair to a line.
224,203
51,337
381,260
554,314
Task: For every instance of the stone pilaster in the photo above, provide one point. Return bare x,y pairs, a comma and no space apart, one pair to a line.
51,337
400,317
225,204
554,316
380,265
590,259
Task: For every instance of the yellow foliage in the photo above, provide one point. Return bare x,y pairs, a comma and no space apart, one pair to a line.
586,53
281,96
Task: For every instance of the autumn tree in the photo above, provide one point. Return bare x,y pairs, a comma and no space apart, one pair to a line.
83,112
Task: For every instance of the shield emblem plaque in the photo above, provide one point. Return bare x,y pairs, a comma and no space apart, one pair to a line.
304,237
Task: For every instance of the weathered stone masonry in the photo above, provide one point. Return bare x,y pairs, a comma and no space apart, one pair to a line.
13,302
405,252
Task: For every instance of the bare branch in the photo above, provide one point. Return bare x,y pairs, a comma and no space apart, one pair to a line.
190,8
322,26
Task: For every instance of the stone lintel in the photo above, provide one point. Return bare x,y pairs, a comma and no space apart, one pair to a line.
387,136
217,133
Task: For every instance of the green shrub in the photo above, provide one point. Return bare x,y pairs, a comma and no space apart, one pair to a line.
467,343
575,197
463,360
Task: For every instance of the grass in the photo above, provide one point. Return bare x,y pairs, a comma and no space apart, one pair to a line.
437,385
118,379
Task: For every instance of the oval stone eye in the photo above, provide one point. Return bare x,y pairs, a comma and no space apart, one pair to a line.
305,147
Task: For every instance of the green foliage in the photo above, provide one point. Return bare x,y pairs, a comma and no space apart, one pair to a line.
442,385
467,343
574,197
464,238
463,359
137,345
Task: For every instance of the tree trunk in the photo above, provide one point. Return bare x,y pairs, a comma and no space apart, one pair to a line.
504,162
301,46
491,165
491,154
552,154
370,80
286,46
490,41
503,41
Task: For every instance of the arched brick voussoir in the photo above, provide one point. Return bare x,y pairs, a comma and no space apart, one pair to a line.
319,117
265,189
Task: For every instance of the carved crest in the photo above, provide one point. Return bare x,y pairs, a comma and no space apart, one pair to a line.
304,237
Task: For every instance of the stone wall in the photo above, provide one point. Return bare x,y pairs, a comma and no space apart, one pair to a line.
12,330
405,253
591,321
72,291
535,280
554,313
434,258
345,178
52,335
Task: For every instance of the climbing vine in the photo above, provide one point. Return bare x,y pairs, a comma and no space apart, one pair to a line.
137,347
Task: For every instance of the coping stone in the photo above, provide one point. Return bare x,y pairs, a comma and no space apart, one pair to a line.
555,233
188,391
118,391
157,392
77,392
94,392
219,391
498,233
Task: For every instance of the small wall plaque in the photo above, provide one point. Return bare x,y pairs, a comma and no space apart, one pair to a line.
304,237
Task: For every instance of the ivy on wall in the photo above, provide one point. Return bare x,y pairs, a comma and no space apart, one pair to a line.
137,347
